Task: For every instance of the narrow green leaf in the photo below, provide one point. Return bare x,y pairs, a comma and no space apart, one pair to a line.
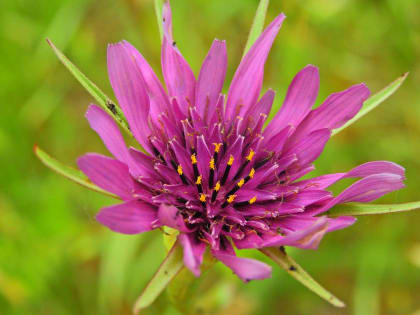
356,208
374,101
103,100
279,256
257,24
169,268
183,289
68,172
158,10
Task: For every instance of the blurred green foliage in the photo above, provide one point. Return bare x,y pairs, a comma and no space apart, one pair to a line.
54,257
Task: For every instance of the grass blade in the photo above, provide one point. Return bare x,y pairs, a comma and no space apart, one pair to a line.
279,256
68,172
169,268
374,101
257,24
103,100
356,208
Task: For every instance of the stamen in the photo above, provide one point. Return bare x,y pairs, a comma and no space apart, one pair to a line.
202,197
249,158
229,200
252,200
211,164
198,181
250,155
211,177
179,169
180,172
252,173
231,159
241,183
193,159
217,147
227,170
215,191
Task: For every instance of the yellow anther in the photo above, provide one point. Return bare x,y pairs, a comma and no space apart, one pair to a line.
217,147
252,200
212,164
198,181
203,198
231,159
231,198
217,187
252,173
241,183
179,170
193,159
250,155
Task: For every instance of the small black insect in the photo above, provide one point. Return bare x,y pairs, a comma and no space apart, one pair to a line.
112,107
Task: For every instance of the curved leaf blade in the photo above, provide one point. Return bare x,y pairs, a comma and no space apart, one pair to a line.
356,208
373,101
68,172
104,101
279,256
169,268
257,24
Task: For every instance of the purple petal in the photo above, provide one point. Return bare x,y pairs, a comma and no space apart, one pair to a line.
131,217
245,268
143,162
210,80
309,148
235,151
251,240
376,167
307,238
247,81
263,106
203,158
129,87
184,159
193,252
370,188
159,101
260,195
108,130
367,189
339,223
300,97
277,141
109,174
170,216
178,75
307,197
337,109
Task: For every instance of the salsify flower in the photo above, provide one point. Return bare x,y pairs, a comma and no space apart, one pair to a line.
211,169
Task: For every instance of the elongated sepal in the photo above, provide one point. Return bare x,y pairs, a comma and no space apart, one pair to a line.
103,100
373,101
71,173
257,24
279,256
169,268
356,208
158,11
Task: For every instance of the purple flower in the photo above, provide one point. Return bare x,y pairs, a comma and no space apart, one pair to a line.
212,171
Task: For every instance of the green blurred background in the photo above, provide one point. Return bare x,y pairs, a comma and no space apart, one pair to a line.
54,257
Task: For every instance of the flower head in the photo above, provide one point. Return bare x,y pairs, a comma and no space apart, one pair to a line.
211,170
